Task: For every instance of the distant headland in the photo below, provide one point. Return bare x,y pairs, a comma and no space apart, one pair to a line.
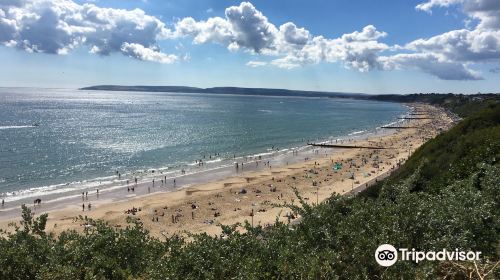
440,99
230,90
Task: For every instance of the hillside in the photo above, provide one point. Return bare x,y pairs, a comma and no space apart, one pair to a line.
460,104
454,155
228,90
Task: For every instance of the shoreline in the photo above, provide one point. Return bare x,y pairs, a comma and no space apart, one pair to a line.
116,191
52,193
113,183
226,196
49,179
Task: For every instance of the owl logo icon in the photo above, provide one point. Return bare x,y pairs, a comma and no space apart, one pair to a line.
386,255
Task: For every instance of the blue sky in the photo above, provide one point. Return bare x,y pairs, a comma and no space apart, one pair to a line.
389,46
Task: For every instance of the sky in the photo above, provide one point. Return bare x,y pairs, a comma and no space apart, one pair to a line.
390,46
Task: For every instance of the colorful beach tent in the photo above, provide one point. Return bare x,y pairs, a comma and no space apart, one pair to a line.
337,166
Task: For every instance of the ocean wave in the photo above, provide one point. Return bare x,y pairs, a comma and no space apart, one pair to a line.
16,126
214,160
61,188
393,123
357,132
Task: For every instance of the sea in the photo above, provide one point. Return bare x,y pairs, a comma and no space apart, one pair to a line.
58,141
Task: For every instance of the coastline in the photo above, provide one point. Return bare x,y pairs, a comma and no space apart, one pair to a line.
194,203
111,185
68,179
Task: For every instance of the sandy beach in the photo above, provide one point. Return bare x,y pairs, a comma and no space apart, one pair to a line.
203,207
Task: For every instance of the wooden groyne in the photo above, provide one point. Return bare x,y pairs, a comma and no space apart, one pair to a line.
407,118
399,127
346,146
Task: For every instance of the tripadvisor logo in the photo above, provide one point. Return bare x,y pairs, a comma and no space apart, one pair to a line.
387,255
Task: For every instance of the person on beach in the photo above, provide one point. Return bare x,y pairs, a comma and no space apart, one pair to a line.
3,202
83,207
90,206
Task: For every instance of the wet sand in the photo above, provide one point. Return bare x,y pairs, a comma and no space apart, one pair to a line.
200,206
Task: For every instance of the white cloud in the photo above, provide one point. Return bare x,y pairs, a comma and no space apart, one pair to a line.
428,63
446,56
452,51
246,28
214,29
357,50
255,63
243,27
140,52
369,33
291,62
427,6
59,26
486,11
291,36
250,27
461,45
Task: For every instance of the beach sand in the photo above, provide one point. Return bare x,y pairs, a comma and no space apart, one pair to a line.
203,207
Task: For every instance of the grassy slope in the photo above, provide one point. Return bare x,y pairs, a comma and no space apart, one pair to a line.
453,155
462,105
